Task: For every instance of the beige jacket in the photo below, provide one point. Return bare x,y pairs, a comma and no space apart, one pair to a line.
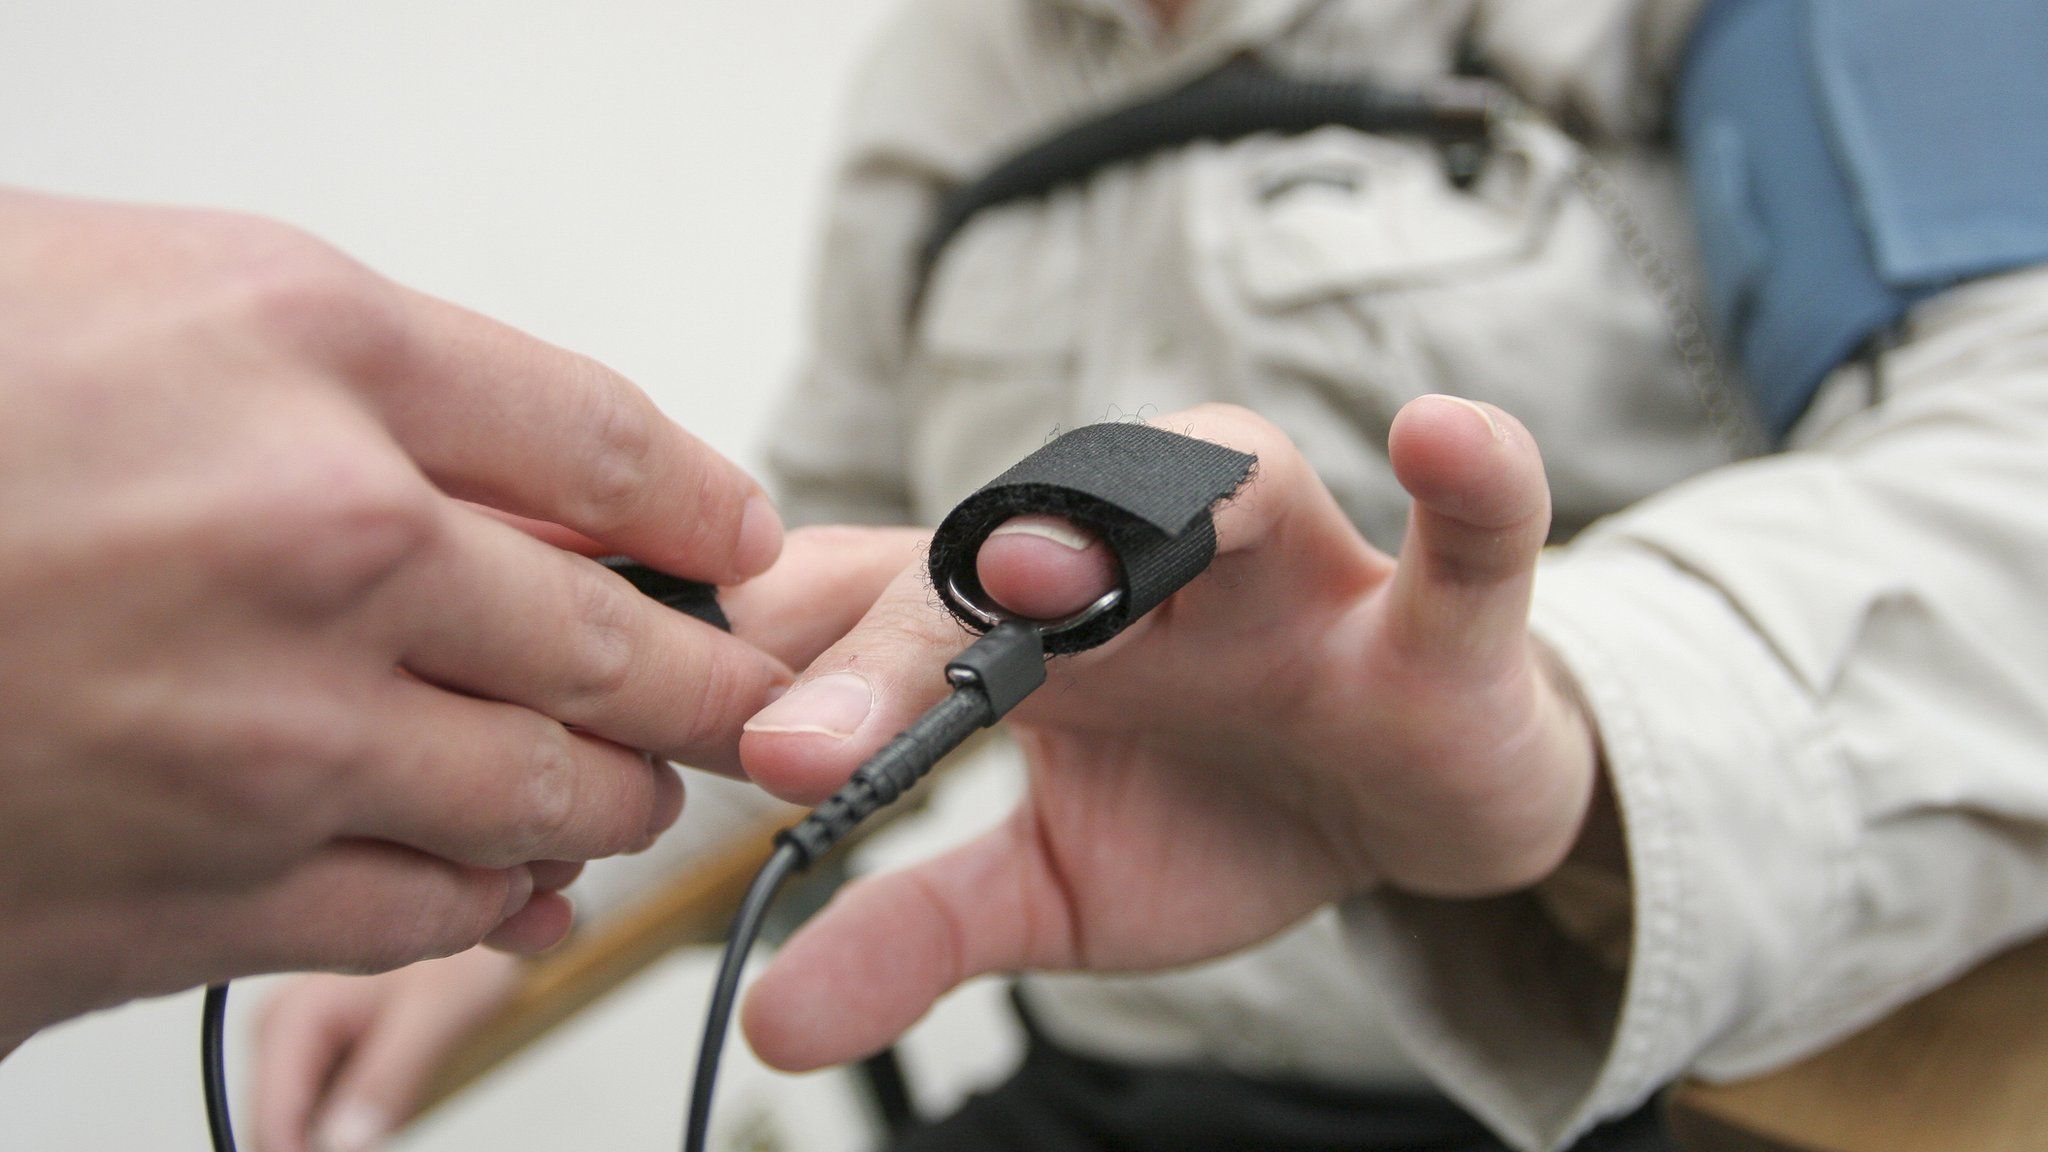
1821,678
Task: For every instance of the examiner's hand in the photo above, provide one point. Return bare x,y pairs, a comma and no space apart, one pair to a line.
1306,720
342,1061
271,694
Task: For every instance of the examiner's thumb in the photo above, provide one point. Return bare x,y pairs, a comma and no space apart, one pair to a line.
380,1086
352,1125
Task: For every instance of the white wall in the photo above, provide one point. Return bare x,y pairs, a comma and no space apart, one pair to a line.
634,179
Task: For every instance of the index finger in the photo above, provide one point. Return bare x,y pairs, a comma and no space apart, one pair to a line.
882,675
1279,533
499,417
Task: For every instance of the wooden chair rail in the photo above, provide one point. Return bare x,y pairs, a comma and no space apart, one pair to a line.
695,908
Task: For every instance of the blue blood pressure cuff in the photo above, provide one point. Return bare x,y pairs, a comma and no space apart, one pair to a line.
1849,158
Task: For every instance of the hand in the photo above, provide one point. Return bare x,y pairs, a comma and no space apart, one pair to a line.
272,695
1306,720
342,1060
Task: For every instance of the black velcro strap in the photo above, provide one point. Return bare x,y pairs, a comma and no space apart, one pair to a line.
686,596
1145,491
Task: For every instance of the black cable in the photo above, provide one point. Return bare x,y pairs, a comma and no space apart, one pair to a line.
787,861
889,1088
213,1066
1243,97
989,678
993,675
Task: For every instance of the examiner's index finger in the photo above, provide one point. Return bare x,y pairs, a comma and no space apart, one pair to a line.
496,416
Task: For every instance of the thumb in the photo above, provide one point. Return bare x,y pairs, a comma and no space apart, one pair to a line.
1460,596
865,969
1506,750
378,1088
305,1031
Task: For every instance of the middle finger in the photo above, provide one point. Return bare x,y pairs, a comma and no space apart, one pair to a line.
497,614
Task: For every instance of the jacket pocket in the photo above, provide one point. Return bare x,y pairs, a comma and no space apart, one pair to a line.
1357,277
1337,213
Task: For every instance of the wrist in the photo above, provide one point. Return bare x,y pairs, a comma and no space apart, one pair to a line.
1588,897
1598,841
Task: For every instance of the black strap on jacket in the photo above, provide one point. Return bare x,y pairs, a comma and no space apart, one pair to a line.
1242,98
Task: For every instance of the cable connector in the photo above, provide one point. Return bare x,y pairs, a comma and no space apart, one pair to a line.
989,678
1008,664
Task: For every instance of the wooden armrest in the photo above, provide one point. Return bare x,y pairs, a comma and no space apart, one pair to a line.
1963,1069
696,907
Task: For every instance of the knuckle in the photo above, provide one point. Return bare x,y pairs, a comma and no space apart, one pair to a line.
346,519
618,477
375,507
1216,418
1236,427
722,696
548,799
906,625
602,667
296,760
292,291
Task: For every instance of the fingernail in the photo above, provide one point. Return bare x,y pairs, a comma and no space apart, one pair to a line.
1057,531
518,890
1492,425
833,705
352,1128
760,536
669,800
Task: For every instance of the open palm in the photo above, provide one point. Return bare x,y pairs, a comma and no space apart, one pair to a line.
1306,720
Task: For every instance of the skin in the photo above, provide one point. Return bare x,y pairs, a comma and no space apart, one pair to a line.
271,644
1170,13
317,1037
341,1060
1307,721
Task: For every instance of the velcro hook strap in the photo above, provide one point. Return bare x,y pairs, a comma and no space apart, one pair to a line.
1146,492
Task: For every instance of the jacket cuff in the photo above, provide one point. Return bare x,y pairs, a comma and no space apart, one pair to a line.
1738,828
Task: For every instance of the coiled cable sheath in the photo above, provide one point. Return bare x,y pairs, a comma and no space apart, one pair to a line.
1003,666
